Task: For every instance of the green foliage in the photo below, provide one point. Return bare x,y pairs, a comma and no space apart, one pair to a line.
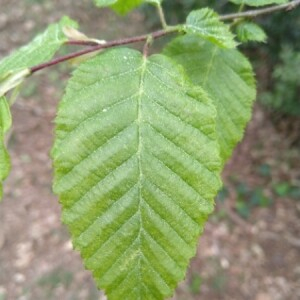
5,124
177,11
156,2
228,78
286,85
41,49
264,170
206,24
248,199
196,282
282,29
143,130
141,141
120,6
249,31
13,71
258,2
285,189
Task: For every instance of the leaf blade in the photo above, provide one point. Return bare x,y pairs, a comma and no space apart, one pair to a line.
229,80
206,24
249,31
5,124
120,6
257,3
41,49
121,207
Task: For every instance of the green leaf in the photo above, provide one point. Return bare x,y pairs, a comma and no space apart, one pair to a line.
258,2
155,2
120,6
206,24
249,31
228,78
5,115
41,49
12,80
5,124
136,169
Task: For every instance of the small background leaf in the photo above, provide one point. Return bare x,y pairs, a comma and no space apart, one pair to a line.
249,31
259,2
41,49
205,23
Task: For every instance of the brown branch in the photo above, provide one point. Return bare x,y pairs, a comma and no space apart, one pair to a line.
155,35
95,47
258,12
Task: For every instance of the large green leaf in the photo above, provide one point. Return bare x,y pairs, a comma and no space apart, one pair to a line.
120,6
227,76
205,23
5,124
136,169
41,49
258,2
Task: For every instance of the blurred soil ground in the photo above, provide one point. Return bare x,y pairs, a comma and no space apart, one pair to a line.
250,249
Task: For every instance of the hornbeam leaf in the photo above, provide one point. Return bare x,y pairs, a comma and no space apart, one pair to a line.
136,168
258,2
41,49
205,23
120,6
249,31
228,78
5,124
12,80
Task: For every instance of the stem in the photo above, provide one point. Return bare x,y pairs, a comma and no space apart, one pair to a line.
162,16
258,12
147,45
241,8
96,47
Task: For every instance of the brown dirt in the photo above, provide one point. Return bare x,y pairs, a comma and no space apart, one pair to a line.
238,259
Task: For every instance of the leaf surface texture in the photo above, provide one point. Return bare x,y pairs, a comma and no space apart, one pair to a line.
136,169
206,24
249,31
228,78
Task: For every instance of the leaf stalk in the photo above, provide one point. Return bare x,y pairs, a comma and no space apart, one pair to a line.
157,34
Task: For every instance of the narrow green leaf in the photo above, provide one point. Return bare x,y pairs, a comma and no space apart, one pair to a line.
258,2
12,80
136,168
5,115
120,6
228,78
249,31
41,49
205,23
5,124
